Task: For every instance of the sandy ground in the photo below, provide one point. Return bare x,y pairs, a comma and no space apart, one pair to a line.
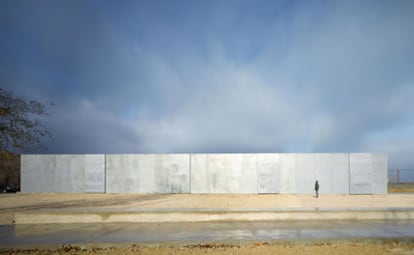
11,203
313,248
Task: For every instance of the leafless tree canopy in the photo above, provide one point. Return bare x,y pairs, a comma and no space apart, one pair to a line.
21,125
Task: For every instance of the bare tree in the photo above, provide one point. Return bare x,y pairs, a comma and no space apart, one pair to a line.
21,125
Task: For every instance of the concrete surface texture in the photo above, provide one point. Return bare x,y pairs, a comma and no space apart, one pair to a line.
63,173
368,173
152,173
331,170
341,173
224,173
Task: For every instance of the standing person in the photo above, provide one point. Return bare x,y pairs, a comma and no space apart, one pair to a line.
317,188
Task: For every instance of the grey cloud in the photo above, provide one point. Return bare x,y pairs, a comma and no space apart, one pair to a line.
80,127
225,77
330,91
232,109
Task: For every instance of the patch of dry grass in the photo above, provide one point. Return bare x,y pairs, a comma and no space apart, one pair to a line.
400,187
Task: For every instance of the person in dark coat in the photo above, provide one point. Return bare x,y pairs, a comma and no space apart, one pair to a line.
317,188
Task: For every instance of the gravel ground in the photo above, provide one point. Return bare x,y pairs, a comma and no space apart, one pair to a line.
313,248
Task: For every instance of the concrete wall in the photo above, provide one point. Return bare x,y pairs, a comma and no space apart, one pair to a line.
94,166
224,173
368,173
269,173
148,173
342,173
38,173
63,173
287,173
331,170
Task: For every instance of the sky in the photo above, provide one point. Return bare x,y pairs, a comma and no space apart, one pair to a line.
177,76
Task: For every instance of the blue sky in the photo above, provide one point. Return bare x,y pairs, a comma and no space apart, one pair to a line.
216,76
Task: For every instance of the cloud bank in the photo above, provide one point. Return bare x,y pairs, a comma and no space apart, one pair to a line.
217,76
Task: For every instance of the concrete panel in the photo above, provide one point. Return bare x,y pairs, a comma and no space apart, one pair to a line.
95,173
203,180
147,169
340,179
61,173
306,173
122,174
380,173
361,173
38,173
332,172
172,175
268,173
287,180
70,173
224,173
148,173
79,173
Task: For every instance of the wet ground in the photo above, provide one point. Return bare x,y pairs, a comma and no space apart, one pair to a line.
14,235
